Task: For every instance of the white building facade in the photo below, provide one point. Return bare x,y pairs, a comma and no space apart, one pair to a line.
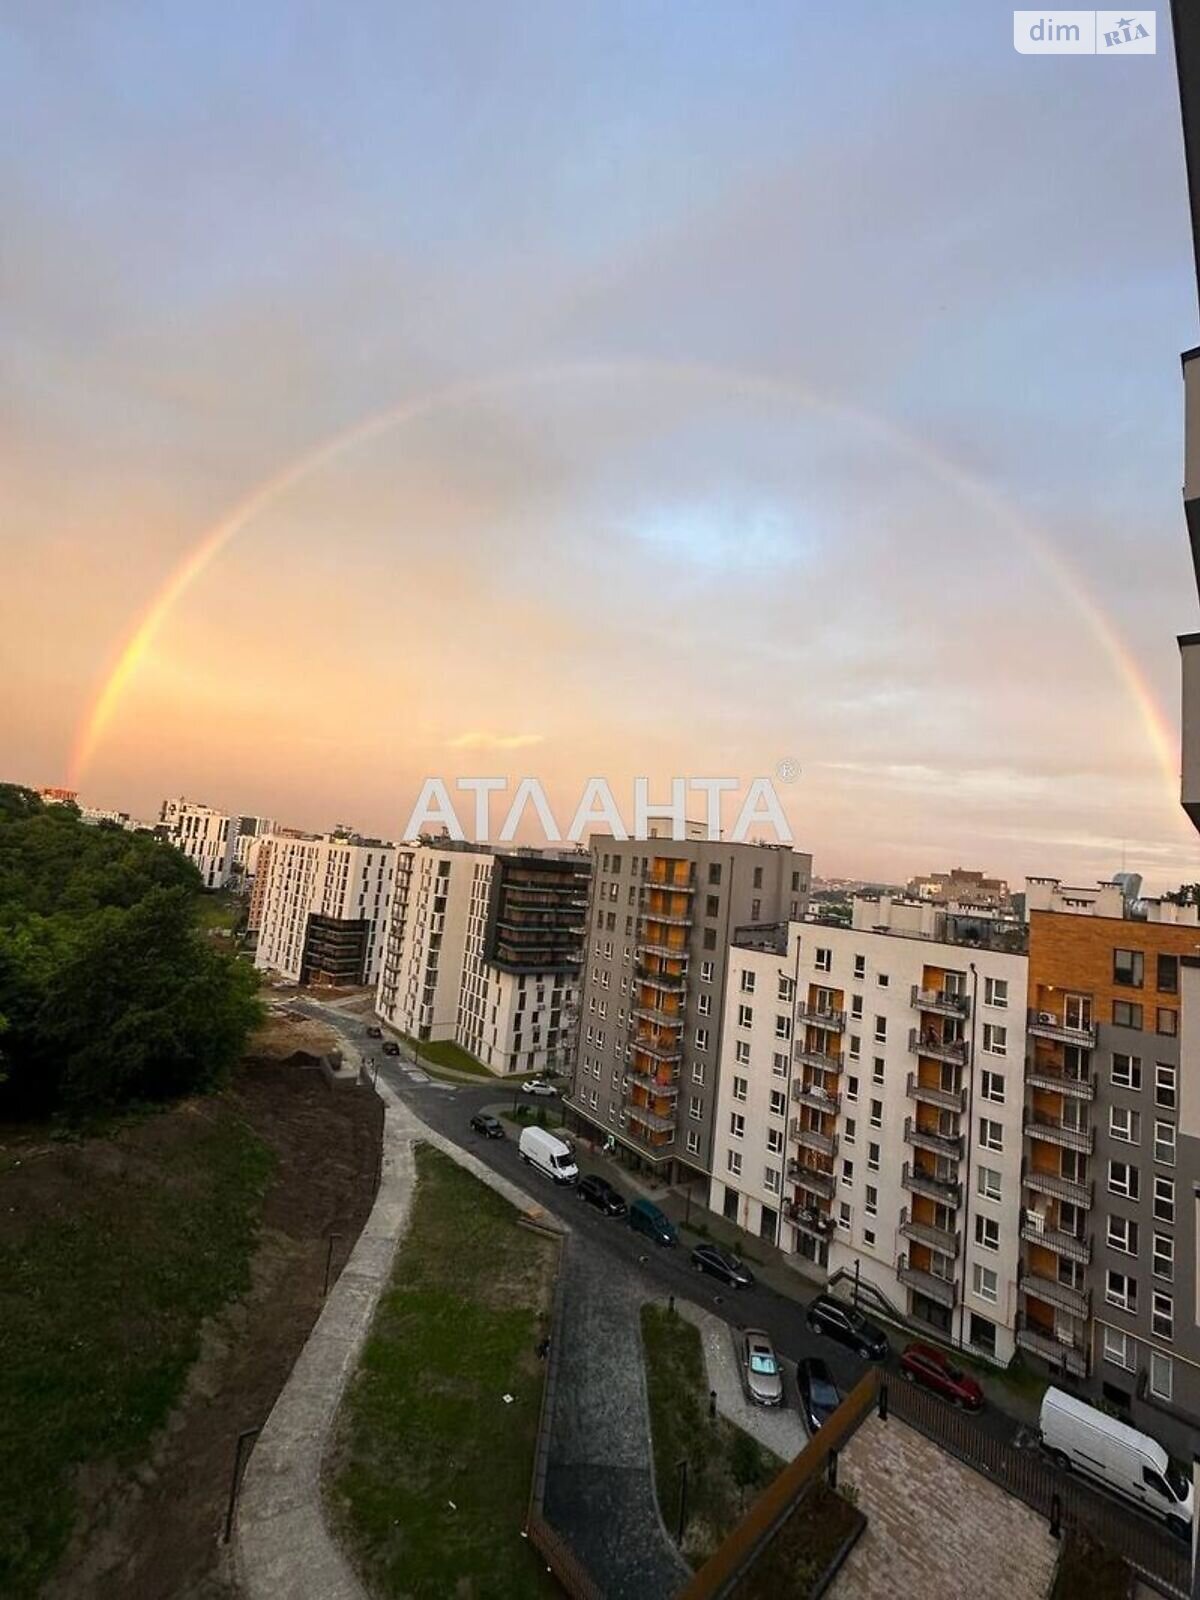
870,1114
323,907
204,835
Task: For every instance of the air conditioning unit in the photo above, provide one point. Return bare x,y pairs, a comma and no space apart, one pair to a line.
1046,1016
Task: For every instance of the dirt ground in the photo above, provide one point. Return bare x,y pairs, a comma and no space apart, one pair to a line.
155,1534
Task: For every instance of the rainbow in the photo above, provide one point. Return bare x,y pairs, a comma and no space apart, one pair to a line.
1160,735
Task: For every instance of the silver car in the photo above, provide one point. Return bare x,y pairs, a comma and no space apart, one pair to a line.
760,1369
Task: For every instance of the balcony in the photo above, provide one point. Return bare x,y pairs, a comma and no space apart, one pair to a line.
660,1049
671,982
808,1219
1045,1025
821,1017
943,1240
808,1094
1041,1075
824,1144
669,885
1069,1355
941,1001
816,1058
1040,1126
926,1283
1052,1293
650,945
651,1119
647,1079
810,1178
935,1095
658,1017
1053,1183
944,1144
946,1191
670,919
1067,1245
922,1042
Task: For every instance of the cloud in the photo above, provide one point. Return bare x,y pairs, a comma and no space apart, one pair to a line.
494,741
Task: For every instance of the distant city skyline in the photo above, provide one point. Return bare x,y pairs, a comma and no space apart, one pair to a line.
573,391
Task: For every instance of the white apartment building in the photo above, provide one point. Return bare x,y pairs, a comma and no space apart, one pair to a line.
484,948
869,1117
322,907
204,835
251,831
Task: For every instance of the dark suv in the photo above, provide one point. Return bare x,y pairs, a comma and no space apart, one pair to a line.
598,1192
836,1320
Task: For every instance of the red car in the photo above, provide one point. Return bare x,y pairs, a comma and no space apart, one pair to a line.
923,1364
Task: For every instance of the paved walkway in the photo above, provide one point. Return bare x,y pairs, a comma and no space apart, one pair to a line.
781,1431
283,1548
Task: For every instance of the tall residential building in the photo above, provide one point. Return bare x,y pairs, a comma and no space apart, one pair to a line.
204,835
661,916
1109,1236
484,948
251,831
869,1110
323,907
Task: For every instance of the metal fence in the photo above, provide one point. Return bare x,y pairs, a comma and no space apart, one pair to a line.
1157,1556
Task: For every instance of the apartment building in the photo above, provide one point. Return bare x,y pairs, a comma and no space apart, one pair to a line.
205,836
322,907
869,1109
484,948
1108,1236
960,885
661,917
247,843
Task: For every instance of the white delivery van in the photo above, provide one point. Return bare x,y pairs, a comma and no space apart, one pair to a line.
1118,1456
549,1154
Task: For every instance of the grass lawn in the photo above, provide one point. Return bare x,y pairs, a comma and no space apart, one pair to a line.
220,911
446,1053
112,1253
726,1468
430,1476
1087,1571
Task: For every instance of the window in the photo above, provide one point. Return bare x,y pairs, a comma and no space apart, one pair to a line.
695,1108
786,989
873,1158
745,1016
704,1005
1163,1257
995,992
714,872
1123,1180
1124,1124
851,1088
869,1236
1123,1235
855,1050
1128,968
1165,1079
860,966
992,1086
880,1030
734,1160
989,1183
856,1006
1168,975
697,1072
1164,1200
737,1125
991,1134
985,1282
748,979
844,1215
778,1104
848,1173
1126,1072
779,1064
783,1025
740,1085
1162,1375
1164,1143
823,960
877,1113
710,939
871,1202
850,1131
882,980
1162,1315
1166,1021
995,1039
775,1140
706,972
1126,1014
1120,1290
771,1176
987,1233
741,1052
712,906
701,1038
877,1069
1117,1351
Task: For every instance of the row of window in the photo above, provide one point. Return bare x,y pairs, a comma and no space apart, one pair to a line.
1120,1350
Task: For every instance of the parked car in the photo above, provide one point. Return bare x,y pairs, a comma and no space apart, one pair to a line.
598,1192
645,1217
819,1396
848,1326
933,1369
374,1032
549,1154
720,1264
538,1086
390,1047
760,1368
490,1127
1122,1458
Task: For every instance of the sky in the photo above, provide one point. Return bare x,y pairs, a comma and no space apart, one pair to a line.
638,389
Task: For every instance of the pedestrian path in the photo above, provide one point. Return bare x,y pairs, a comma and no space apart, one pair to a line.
781,1431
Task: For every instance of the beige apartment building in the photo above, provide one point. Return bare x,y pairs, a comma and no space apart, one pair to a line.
321,907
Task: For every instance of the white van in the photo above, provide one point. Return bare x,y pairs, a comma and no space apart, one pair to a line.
542,1149
1118,1456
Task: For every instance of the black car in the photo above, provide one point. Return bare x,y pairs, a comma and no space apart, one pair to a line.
848,1326
390,1047
720,1264
490,1127
819,1397
598,1192
374,1032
